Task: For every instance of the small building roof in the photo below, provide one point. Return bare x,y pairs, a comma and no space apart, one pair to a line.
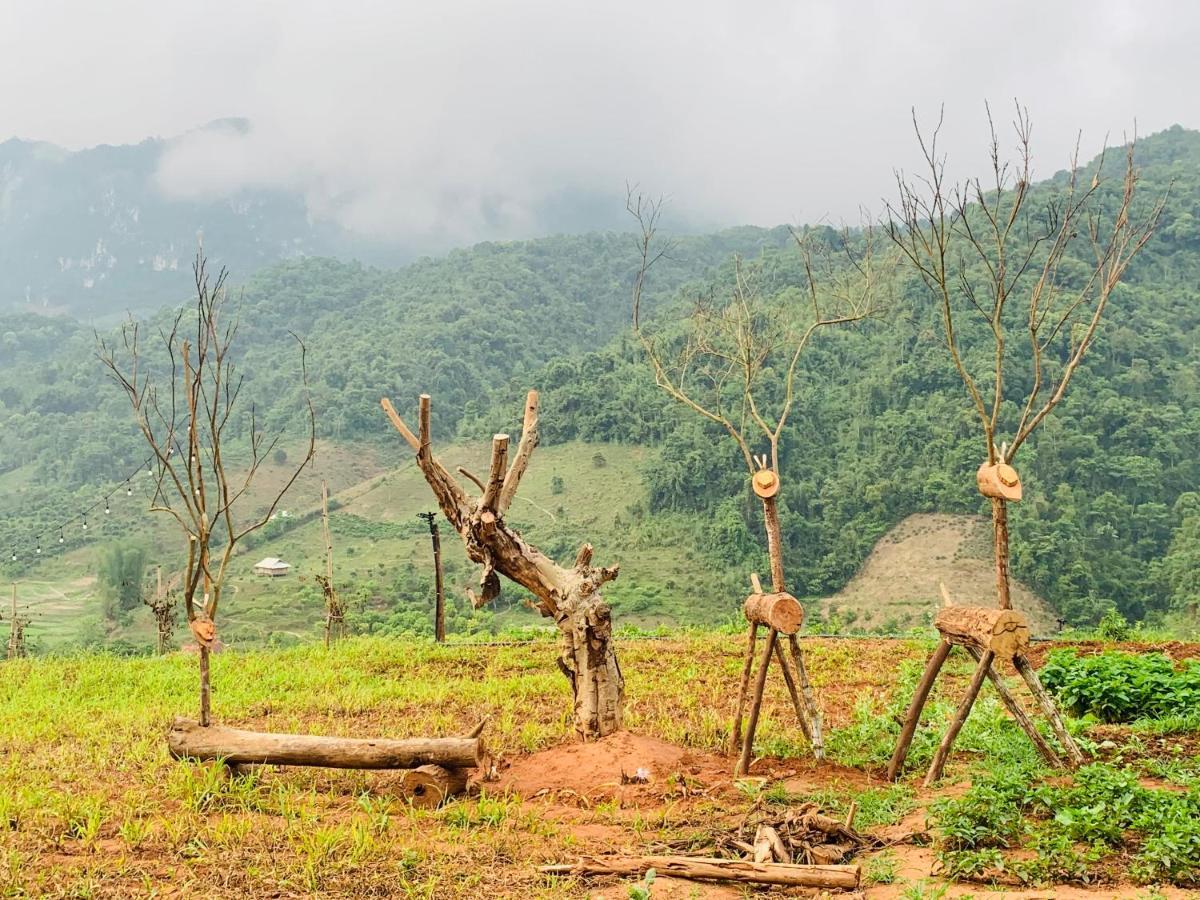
271,562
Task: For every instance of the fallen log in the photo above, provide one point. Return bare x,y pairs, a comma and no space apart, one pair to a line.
1005,632
712,869
189,740
428,787
780,611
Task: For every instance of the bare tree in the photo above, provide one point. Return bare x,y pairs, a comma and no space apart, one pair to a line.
1038,265
735,364
1036,272
185,414
335,606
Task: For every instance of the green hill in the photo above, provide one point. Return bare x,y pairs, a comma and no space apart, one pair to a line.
1111,516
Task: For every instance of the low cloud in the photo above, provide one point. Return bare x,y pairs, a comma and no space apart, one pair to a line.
447,123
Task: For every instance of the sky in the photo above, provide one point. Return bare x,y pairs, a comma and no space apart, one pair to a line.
464,120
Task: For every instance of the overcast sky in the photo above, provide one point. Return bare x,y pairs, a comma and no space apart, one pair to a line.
469,120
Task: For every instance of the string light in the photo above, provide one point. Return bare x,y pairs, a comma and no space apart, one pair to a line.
107,511
61,537
85,523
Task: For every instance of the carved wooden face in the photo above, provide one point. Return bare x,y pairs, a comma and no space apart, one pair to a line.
1000,480
765,483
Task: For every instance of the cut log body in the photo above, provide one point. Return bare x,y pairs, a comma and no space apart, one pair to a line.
712,869
1004,632
780,611
190,740
428,787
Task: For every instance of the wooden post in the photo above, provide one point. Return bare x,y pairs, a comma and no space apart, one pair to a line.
924,686
1000,532
797,704
814,711
959,719
1046,702
1014,710
751,642
439,610
14,627
743,765
334,620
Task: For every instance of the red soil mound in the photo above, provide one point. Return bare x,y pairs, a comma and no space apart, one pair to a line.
619,765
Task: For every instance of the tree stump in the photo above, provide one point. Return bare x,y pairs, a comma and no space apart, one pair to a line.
1004,632
780,611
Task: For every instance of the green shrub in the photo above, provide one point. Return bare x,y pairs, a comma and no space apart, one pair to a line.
1122,687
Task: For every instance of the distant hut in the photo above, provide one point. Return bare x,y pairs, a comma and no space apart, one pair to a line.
271,567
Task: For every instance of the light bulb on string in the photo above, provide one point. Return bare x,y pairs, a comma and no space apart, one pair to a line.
61,537
128,488
85,523
106,509
39,546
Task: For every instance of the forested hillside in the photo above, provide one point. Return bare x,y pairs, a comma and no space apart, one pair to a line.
882,429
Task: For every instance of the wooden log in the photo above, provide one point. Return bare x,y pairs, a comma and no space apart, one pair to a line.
920,695
428,787
780,611
1014,709
710,869
959,719
1005,632
190,740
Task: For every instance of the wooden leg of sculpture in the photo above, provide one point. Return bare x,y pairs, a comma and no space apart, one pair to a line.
814,712
914,709
1048,708
751,642
797,703
960,718
743,765
1014,710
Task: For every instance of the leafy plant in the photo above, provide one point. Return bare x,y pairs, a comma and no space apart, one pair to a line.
1122,687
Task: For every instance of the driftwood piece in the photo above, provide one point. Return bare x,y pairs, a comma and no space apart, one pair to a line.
712,869
780,611
189,740
1005,632
429,786
769,846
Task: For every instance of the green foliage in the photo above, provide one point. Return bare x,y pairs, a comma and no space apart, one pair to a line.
1113,627
1122,687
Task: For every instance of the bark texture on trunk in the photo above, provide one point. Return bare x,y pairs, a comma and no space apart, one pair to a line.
190,740
570,596
1005,632
1000,534
429,786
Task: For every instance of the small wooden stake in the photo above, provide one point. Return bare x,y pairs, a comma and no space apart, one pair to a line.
914,709
743,765
959,719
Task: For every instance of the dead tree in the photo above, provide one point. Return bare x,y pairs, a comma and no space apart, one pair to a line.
738,351
162,603
991,260
569,595
185,415
335,606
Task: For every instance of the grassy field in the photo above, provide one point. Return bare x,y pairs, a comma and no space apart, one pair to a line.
573,493
92,805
